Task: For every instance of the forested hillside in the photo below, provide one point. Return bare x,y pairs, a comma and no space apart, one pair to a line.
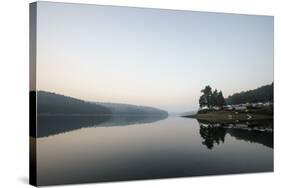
51,103
128,109
261,94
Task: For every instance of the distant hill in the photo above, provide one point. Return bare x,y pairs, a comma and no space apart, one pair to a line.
261,94
128,109
51,103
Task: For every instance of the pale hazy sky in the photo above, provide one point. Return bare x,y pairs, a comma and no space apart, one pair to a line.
160,58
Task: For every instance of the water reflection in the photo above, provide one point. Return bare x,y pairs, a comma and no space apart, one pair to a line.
254,132
265,138
48,125
160,149
212,135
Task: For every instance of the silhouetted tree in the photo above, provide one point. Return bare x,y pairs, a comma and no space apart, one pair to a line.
211,99
214,98
220,99
205,99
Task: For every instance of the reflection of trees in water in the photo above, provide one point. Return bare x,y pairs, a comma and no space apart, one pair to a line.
54,124
124,120
48,125
264,138
212,133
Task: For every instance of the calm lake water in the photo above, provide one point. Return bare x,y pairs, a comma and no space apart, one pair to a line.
130,148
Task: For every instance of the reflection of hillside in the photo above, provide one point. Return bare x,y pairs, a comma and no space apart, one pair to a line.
48,125
265,138
55,124
215,133
131,120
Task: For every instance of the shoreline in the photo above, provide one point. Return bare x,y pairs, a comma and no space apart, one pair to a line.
229,117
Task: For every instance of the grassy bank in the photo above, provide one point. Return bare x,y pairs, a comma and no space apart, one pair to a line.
230,116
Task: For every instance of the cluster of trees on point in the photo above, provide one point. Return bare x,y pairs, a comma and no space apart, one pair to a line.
261,94
211,98
214,98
